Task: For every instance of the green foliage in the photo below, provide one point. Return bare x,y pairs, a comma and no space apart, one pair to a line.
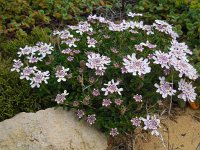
25,14
10,47
183,14
15,94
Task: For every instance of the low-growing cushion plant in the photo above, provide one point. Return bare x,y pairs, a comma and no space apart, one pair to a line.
110,72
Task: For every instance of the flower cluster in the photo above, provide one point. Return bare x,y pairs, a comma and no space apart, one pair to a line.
136,66
112,88
151,123
60,98
164,88
97,62
110,69
188,91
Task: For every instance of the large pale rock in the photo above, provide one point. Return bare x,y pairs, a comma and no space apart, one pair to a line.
49,129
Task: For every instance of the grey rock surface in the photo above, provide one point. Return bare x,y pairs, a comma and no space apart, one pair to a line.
50,129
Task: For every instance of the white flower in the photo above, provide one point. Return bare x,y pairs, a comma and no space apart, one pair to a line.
114,132
136,121
149,45
38,78
130,14
163,26
17,65
106,102
162,58
26,51
61,74
44,49
188,91
91,42
70,42
164,88
184,68
112,88
136,66
138,98
32,59
82,27
152,123
61,97
179,50
97,62
27,71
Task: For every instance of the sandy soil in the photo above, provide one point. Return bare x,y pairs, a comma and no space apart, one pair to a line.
181,133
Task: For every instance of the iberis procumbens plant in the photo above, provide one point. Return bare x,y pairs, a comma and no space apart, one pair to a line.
112,72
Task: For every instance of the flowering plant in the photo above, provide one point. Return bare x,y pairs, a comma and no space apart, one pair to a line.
111,72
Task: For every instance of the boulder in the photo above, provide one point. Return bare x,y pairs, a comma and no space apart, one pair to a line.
50,129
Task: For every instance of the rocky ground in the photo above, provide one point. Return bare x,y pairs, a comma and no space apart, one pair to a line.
49,129
58,129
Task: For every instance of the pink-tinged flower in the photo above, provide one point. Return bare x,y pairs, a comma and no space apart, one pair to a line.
99,72
114,132
151,123
166,71
60,98
91,119
148,29
97,62
38,78
114,50
136,66
162,58
70,58
67,51
164,88
124,70
139,47
138,98
75,103
70,42
150,56
179,50
65,34
17,65
106,102
118,101
61,74
112,88
149,45
136,121
130,14
184,68
76,51
163,26
133,31
188,91
80,113
96,92
92,17
33,59
27,71
44,49
91,42
26,51
135,24
118,27
82,27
